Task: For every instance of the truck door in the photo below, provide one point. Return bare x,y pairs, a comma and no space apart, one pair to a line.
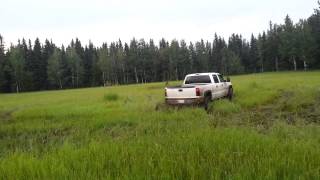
223,86
216,89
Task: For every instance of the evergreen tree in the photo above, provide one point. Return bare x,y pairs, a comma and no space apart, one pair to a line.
164,60
192,58
254,55
261,50
114,63
245,54
38,67
2,61
78,63
47,52
121,62
183,60
88,65
314,24
173,60
4,74
219,44
27,80
155,63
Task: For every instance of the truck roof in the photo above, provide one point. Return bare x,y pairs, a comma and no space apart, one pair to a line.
208,73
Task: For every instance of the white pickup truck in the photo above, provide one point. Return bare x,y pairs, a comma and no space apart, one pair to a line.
199,88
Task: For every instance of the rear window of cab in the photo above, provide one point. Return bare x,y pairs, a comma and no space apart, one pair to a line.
200,79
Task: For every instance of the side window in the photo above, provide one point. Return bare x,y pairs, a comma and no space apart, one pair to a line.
215,78
221,78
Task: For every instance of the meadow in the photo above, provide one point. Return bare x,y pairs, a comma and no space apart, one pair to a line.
271,130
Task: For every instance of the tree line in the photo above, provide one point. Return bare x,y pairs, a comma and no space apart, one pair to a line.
34,66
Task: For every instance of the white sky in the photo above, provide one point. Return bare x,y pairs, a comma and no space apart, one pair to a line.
108,20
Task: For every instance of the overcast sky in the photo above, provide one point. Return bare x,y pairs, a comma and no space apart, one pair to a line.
108,20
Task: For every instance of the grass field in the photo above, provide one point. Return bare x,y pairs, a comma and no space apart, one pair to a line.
270,131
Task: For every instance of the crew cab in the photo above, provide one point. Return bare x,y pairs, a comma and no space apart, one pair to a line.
199,88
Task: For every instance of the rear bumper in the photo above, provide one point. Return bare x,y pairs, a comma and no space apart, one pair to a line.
184,101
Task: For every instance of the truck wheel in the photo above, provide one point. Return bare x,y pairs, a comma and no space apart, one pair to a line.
230,94
207,100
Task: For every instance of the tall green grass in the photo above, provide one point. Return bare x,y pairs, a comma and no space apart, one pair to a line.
270,131
111,97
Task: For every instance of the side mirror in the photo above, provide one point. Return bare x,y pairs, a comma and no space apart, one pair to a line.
228,79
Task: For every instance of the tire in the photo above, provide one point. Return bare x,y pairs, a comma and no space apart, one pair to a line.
206,102
230,94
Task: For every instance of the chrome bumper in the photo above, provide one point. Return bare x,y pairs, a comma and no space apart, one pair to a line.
184,101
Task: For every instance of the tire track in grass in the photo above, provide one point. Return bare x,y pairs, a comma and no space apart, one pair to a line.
286,107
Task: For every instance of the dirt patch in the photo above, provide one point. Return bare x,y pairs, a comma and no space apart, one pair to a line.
263,117
61,132
162,107
120,128
311,112
53,135
308,112
127,100
6,116
282,109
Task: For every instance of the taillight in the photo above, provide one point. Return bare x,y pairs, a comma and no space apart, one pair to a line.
165,92
197,91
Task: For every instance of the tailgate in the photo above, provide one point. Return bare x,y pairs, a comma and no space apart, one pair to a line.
183,92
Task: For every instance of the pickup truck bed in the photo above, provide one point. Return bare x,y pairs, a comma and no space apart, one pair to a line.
184,94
